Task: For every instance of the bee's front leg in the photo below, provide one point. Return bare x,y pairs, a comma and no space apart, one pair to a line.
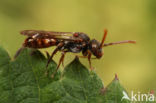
89,59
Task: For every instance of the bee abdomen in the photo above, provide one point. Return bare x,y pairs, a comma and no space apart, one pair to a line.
39,43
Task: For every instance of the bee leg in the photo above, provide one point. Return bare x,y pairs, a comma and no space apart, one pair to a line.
89,59
50,58
18,52
47,54
84,57
63,57
63,61
81,56
60,61
54,52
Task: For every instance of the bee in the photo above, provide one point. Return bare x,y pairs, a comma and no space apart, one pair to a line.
65,42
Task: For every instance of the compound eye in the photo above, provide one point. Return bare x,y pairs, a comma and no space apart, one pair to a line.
76,35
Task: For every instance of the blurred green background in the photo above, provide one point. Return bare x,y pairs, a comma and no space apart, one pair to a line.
124,19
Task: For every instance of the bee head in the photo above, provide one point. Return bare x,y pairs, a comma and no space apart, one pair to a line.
95,48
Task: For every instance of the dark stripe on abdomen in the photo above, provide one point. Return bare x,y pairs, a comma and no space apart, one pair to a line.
39,43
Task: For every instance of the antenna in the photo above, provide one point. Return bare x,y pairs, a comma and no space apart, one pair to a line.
120,42
104,37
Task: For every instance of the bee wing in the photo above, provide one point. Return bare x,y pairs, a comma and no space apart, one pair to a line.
50,34
42,32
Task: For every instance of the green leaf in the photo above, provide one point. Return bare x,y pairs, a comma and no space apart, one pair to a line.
77,85
115,93
23,80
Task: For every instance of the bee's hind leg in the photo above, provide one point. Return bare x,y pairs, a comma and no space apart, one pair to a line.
18,52
53,53
49,59
47,54
60,61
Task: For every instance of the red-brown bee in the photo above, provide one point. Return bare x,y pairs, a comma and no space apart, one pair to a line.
74,42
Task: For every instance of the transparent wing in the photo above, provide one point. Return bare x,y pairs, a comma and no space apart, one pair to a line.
50,34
